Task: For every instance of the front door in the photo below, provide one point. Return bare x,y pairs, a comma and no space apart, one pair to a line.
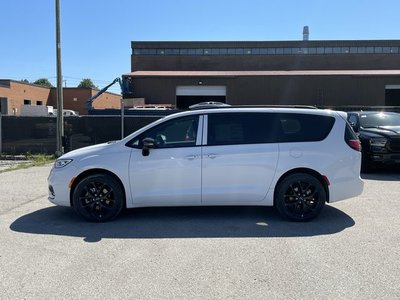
171,173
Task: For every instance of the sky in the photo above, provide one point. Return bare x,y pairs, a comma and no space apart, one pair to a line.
96,35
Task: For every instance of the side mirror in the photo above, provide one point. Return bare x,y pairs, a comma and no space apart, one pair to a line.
148,143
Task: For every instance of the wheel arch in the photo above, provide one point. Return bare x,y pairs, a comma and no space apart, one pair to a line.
308,171
95,172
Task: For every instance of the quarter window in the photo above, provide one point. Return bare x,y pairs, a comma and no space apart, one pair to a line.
303,127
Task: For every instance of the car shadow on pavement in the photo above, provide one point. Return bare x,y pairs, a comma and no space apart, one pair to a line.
182,222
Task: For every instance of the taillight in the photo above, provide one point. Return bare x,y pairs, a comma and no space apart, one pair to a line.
351,138
354,144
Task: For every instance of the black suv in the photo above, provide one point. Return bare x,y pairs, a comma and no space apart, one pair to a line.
379,133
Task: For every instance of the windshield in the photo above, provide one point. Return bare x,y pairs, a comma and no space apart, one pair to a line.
380,120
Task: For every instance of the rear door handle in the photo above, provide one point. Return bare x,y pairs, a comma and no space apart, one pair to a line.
212,155
190,157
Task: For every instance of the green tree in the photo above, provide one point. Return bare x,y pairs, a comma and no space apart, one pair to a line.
43,82
87,83
25,80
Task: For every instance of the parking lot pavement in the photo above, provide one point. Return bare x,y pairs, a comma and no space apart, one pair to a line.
350,252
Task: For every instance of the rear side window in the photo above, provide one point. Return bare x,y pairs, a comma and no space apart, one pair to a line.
303,127
240,128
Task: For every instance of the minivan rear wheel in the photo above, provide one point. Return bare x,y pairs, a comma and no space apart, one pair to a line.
300,197
98,198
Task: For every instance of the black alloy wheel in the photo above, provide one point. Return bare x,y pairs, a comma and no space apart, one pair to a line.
300,197
98,198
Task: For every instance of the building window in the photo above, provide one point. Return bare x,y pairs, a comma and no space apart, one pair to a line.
247,51
298,51
361,50
39,102
345,50
239,51
369,49
27,102
215,51
269,51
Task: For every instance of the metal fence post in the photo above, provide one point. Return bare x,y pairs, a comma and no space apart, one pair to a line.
1,136
122,118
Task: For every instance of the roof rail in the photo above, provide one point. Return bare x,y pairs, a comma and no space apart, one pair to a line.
279,106
212,104
209,104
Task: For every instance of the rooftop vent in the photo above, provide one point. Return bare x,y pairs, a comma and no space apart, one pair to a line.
306,33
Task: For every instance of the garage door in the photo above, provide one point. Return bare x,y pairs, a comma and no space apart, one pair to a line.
392,95
191,94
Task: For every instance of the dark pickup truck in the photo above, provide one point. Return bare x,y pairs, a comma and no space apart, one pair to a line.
379,133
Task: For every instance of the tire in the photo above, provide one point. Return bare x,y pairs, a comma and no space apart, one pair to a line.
367,165
300,197
98,198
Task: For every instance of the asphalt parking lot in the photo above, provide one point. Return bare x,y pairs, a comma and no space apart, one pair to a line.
350,252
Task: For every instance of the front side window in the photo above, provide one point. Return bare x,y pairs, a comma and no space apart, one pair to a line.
239,128
179,132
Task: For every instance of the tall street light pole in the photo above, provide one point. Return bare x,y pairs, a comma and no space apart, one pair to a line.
60,101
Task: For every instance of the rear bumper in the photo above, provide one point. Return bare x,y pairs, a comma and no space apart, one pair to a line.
346,188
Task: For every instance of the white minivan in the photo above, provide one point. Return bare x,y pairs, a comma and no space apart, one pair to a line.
293,159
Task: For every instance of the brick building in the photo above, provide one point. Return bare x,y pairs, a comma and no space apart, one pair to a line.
13,94
323,73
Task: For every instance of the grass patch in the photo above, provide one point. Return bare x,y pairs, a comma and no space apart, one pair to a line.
28,161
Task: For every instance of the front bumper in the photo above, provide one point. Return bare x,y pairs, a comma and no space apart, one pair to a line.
58,182
385,158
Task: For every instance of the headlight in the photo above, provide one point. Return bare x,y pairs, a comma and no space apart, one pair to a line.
378,142
61,163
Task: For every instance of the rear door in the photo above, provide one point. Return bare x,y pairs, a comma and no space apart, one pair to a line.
239,157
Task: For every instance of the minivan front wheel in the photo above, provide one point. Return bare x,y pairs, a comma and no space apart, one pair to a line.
300,197
98,198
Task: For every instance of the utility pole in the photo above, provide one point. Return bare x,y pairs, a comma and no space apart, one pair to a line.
60,102
1,137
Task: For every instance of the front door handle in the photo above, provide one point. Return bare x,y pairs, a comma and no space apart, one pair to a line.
212,155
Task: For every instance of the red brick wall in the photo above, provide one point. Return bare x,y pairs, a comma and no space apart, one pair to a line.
17,92
74,98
